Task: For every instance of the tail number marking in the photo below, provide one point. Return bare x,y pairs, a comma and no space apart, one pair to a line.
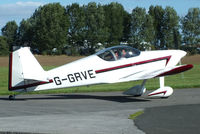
75,77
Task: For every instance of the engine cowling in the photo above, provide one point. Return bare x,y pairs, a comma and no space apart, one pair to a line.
162,92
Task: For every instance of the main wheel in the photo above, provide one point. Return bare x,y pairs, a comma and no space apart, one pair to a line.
11,97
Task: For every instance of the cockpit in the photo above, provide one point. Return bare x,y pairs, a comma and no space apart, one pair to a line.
117,53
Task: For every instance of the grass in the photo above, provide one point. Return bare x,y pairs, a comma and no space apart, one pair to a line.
135,115
189,79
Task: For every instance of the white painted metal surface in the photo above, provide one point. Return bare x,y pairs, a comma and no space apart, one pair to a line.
106,66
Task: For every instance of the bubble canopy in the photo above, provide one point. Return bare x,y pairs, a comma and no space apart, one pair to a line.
118,53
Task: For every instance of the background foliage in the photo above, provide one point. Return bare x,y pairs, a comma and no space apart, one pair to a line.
82,29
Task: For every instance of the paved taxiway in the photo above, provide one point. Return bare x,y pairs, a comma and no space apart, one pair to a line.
93,113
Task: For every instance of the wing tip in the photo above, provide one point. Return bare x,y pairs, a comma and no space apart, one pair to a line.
177,70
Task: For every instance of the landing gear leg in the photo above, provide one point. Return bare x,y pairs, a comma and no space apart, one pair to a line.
137,90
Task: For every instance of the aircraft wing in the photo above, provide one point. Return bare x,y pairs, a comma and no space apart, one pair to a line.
175,70
156,73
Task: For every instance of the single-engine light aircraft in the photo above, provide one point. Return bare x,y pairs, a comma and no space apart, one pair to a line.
111,65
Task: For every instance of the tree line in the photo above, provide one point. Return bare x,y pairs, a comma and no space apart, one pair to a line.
82,29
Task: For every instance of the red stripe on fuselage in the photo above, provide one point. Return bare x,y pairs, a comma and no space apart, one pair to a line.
132,64
30,85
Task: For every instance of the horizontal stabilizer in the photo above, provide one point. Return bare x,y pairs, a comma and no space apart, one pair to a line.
35,77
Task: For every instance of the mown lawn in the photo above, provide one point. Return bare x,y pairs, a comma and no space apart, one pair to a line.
189,79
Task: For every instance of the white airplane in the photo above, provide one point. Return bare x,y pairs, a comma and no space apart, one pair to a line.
111,65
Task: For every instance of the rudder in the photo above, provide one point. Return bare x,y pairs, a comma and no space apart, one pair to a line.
24,70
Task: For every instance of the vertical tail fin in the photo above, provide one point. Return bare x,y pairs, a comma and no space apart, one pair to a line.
24,70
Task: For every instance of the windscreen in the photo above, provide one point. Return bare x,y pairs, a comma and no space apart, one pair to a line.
118,52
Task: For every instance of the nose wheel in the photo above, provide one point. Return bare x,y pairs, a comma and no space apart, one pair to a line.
11,97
